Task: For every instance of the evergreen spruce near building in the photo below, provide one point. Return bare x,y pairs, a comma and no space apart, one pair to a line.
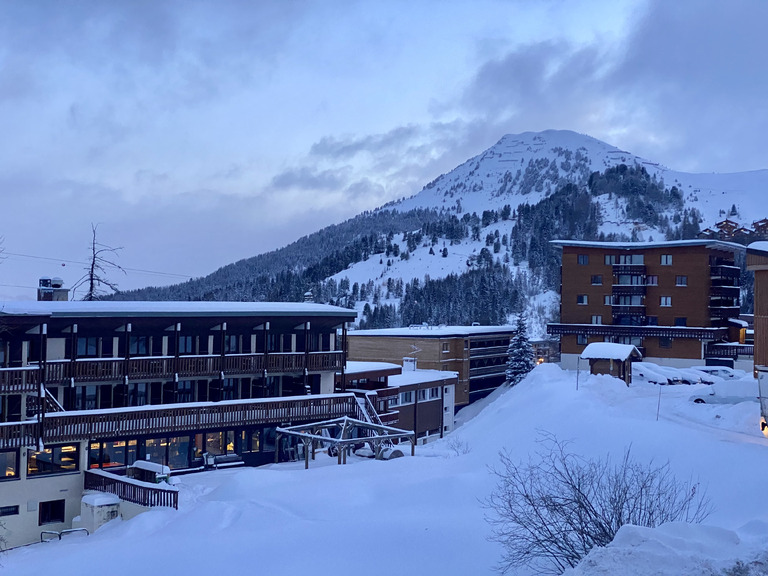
677,302
520,354
92,390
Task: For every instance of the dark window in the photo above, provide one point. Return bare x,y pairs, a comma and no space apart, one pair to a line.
583,259
681,280
681,321
138,346
652,320
230,344
185,345
610,259
582,300
87,347
54,460
666,259
9,510
652,280
665,342
9,464
51,512
581,339
597,280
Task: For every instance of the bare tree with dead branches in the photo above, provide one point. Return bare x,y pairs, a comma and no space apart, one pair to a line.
550,512
100,262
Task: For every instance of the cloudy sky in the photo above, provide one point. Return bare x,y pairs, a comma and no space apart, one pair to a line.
195,133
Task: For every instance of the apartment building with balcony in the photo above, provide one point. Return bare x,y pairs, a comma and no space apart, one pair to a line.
677,302
88,389
477,353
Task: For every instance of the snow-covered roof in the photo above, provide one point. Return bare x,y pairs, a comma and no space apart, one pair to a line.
357,367
732,246
421,331
151,467
738,322
135,309
761,246
609,351
410,377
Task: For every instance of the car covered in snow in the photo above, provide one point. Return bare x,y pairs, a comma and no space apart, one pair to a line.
732,391
721,371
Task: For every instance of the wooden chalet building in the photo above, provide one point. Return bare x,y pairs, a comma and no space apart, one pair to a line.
677,302
89,388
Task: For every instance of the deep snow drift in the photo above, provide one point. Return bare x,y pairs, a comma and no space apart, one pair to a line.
423,515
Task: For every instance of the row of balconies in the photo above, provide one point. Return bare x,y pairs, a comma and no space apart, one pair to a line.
110,370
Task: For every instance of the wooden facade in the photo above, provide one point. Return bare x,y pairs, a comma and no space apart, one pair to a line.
669,299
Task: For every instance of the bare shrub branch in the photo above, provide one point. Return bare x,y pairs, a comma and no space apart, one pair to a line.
550,512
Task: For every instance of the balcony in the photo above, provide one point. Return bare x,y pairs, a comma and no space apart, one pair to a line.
487,370
721,271
629,290
131,491
723,312
176,418
115,370
632,269
724,291
729,350
627,310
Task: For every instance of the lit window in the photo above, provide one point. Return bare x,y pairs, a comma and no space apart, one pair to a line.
666,301
666,259
681,280
582,300
583,259
597,280
54,460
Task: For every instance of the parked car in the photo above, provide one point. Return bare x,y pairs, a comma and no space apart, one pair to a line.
646,372
731,391
722,371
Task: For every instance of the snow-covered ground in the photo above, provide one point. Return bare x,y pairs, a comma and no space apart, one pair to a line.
423,514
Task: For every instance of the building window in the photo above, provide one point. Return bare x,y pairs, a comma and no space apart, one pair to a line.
434,393
665,301
88,347
597,319
665,342
582,300
54,460
9,510
583,259
681,280
422,395
666,259
393,400
597,280
51,512
630,259
652,320
607,299
230,344
406,397
610,259
446,347
9,464
581,339
652,280
138,346
681,321
185,345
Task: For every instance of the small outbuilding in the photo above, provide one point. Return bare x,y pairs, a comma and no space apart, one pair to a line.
613,359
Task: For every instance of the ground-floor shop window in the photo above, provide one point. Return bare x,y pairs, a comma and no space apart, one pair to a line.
54,460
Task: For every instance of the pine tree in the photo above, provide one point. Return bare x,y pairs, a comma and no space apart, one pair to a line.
519,354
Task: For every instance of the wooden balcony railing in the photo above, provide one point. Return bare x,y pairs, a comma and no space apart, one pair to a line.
113,370
130,490
19,380
173,418
728,350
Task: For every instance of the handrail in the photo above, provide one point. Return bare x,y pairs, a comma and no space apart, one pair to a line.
171,418
135,491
